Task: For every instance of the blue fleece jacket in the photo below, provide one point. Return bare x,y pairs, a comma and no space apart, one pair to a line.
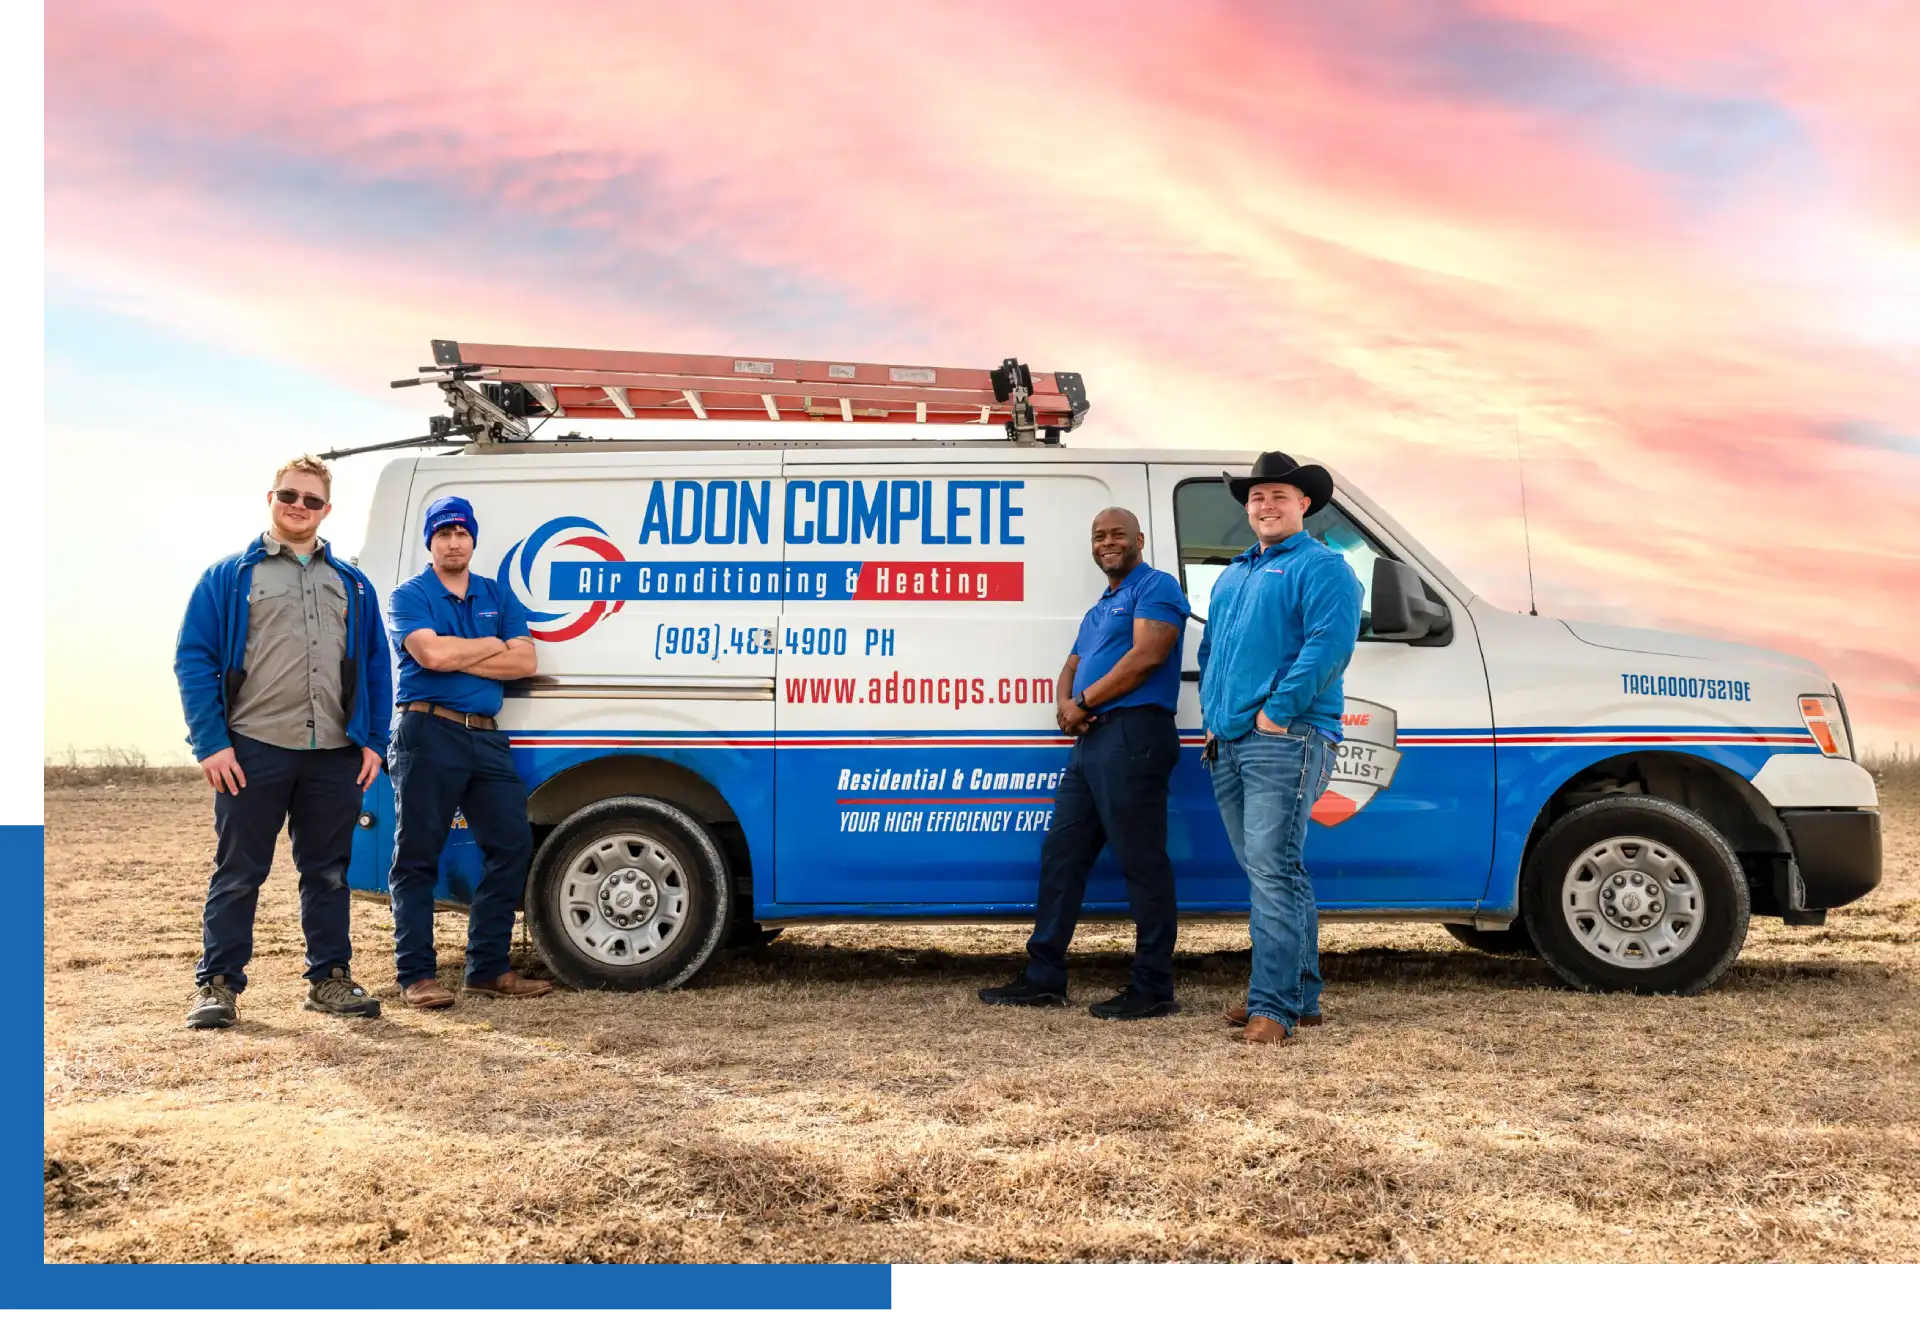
1281,626
210,657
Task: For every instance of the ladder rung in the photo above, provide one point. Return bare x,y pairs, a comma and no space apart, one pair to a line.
587,383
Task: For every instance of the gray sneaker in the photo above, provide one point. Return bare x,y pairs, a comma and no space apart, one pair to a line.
340,997
213,1006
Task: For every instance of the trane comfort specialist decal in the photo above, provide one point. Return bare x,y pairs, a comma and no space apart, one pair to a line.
1369,754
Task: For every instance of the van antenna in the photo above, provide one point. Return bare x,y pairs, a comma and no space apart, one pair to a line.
1526,528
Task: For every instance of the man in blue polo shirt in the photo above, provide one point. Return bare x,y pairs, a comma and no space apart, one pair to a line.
1116,698
459,637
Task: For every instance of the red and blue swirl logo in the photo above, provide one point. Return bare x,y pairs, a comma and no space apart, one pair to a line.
517,575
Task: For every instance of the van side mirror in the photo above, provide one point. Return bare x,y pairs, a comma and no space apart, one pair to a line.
1401,609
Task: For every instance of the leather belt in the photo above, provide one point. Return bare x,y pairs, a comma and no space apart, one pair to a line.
480,721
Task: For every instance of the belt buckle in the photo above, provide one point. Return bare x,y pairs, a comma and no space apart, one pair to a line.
466,720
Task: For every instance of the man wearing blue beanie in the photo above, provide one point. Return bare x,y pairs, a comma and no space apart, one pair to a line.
459,638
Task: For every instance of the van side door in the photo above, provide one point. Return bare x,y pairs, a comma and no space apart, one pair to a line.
931,606
1407,822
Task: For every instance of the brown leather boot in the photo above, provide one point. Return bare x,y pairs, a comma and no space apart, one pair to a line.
1236,1015
1264,1030
510,985
428,993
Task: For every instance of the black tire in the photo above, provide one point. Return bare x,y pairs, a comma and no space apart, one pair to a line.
691,873
1677,835
1514,941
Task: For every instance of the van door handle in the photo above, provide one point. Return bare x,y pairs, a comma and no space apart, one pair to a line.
1189,675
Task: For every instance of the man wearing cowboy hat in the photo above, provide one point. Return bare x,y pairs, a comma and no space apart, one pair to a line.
1281,626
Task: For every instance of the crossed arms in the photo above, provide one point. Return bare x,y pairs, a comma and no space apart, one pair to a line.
484,657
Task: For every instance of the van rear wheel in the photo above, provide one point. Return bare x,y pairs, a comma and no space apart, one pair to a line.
1636,894
628,893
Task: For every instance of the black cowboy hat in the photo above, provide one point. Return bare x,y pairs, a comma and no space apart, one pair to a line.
1277,468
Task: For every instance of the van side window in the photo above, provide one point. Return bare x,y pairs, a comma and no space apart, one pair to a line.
1212,528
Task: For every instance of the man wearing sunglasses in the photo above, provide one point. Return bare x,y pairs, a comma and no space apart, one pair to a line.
284,677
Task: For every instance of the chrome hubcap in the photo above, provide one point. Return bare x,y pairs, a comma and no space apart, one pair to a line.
623,899
628,897
1633,902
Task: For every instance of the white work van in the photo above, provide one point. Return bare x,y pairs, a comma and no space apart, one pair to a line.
814,681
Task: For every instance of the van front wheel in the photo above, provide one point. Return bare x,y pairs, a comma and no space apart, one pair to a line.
1637,894
628,893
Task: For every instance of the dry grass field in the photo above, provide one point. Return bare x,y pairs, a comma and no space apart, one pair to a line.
840,1095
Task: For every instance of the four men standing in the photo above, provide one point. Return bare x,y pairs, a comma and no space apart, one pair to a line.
283,674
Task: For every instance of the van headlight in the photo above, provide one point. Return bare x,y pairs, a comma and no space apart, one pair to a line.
1826,718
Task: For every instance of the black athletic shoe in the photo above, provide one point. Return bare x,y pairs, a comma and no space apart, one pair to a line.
1134,1005
339,996
1022,993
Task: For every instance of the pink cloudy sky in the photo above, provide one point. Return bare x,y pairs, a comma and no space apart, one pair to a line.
1675,246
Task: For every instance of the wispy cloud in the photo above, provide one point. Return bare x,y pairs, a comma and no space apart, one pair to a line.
1872,435
1674,248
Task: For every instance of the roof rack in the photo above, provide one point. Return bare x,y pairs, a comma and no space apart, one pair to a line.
493,389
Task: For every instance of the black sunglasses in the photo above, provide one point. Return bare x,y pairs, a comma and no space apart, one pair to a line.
286,496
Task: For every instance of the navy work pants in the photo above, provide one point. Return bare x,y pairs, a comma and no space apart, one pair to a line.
1113,794
440,766
312,793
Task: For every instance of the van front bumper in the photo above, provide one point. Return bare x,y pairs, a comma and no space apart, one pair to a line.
1836,857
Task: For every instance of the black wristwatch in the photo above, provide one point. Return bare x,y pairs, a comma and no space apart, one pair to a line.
1079,698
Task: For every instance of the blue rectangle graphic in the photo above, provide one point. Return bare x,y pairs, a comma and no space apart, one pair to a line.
680,579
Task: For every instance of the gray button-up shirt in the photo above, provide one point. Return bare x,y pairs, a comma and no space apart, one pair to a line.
296,642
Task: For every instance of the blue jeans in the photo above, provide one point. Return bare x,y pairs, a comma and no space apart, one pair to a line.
314,794
438,766
1113,795
1266,784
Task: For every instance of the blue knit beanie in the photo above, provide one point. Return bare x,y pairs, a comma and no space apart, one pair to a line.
451,511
